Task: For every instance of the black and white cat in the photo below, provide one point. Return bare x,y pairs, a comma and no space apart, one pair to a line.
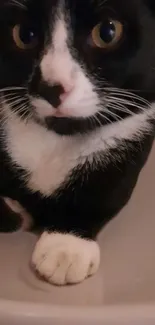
77,85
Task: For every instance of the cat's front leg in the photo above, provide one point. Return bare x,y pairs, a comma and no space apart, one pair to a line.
64,258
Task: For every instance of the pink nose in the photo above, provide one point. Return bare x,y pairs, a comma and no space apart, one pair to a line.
67,92
55,94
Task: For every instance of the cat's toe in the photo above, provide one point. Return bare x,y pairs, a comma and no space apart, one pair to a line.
64,258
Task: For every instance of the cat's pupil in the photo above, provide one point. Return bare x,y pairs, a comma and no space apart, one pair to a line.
107,31
27,34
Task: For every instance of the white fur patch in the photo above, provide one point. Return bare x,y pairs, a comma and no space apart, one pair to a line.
17,208
49,157
58,66
64,258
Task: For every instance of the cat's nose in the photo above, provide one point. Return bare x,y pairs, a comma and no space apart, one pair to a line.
55,94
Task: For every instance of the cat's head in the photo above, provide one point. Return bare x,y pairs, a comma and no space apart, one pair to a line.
73,65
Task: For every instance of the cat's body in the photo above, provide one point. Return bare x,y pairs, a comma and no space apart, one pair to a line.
73,140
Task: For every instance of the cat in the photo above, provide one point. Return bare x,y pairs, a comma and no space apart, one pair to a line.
77,87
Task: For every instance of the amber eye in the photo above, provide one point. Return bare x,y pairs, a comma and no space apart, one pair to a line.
107,34
24,37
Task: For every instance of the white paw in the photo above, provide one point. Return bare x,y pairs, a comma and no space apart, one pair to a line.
64,258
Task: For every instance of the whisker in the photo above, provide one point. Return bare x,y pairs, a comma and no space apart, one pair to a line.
21,103
19,108
7,100
17,4
120,108
24,112
112,114
92,122
105,117
11,100
97,120
130,96
12,89
125,102
4,118
9,95
126,93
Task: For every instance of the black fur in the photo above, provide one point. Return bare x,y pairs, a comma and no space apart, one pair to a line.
128,66
93,193
9,221
90,198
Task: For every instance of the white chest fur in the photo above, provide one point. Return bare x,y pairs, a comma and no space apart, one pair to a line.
48,157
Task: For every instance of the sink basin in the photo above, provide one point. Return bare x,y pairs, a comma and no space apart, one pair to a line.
123,290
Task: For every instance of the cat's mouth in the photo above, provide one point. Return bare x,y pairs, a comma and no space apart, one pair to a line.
117,105
68,125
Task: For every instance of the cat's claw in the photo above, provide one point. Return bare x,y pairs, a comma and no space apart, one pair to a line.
64,258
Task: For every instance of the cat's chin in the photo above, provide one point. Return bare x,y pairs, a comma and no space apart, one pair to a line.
69,126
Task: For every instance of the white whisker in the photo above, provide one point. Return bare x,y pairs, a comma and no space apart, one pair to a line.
120,108
97,120
17,4
105,117
12,89
4,100
125,93
135,99
14,101
91,118
112,114
113,99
